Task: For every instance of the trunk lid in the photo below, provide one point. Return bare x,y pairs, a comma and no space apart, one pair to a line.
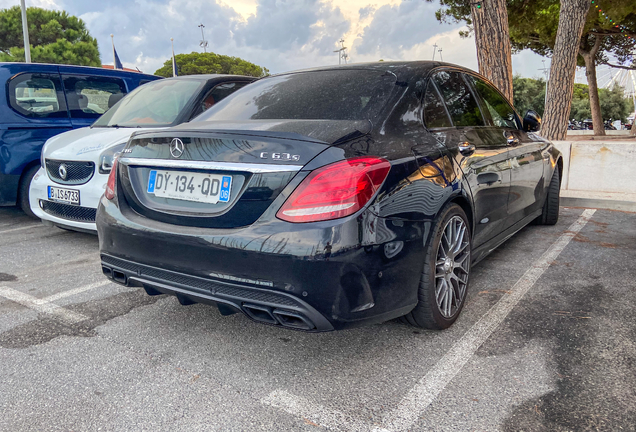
222,174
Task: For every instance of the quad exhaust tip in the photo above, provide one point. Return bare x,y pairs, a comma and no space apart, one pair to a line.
283,317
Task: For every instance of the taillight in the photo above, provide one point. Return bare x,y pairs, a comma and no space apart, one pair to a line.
335,190
112,178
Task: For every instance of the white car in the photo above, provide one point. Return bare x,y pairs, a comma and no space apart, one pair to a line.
75,165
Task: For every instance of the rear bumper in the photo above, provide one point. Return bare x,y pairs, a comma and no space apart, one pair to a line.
332,275
262,305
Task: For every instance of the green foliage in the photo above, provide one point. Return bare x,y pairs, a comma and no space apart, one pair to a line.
528,94
614,104
210,63
55,37
533,25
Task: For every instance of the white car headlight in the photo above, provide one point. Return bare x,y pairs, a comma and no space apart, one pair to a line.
107,157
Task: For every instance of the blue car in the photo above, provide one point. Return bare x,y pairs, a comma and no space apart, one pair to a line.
38,101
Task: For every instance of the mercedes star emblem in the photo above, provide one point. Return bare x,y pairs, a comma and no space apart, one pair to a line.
62,171
176,148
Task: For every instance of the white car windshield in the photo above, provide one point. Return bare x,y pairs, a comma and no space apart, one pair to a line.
155,104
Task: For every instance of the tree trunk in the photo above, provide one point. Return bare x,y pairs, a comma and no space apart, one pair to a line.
492,39
561,84
590,73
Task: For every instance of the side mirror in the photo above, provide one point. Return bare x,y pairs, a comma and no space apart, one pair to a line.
531,121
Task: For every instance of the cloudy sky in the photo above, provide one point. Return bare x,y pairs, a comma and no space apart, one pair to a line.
280,35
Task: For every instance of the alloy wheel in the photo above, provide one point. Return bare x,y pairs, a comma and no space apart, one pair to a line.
452,267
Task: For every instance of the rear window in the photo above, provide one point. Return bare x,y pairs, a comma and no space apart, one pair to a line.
155,104
323,95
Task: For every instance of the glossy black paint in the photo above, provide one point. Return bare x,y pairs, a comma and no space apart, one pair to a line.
360,269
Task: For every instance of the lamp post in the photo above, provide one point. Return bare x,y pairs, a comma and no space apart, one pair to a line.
25,33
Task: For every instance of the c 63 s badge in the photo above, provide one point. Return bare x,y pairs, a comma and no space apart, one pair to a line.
280,156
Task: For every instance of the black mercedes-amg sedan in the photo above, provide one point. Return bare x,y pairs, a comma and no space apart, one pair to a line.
332,197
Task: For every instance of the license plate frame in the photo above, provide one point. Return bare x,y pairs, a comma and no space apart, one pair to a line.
64,195
161,183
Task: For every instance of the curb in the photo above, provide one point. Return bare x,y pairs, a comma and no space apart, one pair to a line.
628,206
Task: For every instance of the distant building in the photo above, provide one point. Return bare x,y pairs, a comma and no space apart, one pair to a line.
126,69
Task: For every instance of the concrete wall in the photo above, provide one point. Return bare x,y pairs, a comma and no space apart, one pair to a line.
599,166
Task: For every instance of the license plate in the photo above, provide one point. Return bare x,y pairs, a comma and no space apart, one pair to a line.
69,196
208,188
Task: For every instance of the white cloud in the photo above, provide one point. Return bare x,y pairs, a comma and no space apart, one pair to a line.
281,35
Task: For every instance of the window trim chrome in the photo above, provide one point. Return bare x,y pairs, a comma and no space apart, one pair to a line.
221,166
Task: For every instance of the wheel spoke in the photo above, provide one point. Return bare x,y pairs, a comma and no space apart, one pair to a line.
441,293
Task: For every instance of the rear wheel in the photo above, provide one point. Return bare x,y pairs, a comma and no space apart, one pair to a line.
23,191
550,212
444,282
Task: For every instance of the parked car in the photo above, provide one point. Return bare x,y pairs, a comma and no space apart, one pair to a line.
38,101
329,198
75,165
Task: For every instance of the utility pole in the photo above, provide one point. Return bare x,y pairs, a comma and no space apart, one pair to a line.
25,33
203,42
342,54
440,54
434,50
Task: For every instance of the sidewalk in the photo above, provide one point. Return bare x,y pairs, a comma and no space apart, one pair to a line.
600,200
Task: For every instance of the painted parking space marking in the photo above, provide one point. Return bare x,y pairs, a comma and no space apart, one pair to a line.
417,400
75,291
41,305
21,228
313,413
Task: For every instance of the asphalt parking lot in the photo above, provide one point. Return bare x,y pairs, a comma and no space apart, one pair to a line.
546,342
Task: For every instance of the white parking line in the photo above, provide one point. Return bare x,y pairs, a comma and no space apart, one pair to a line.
313,413
77,290
21,228
41,305
433,383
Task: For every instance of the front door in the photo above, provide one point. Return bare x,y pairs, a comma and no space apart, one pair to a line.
525,153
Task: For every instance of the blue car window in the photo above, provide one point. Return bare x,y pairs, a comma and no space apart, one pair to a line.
88,96
37,96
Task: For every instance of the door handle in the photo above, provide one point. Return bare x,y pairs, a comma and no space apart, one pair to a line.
512,141
466,148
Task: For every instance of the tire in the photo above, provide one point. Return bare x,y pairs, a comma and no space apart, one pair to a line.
438,273
23,191
550,212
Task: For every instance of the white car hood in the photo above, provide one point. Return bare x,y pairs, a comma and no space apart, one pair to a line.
87,143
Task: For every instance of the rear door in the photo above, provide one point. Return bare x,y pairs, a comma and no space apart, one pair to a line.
88,96
478,148
525,153
38,112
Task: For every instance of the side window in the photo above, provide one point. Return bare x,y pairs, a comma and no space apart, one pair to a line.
37,96
89,96
460,102
502,114
435,114
219,92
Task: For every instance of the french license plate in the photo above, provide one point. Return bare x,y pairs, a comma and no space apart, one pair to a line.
70,196
208,188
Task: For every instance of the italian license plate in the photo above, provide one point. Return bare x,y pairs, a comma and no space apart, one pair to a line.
208,188
69,196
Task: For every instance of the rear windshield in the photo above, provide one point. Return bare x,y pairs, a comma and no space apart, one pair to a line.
321,95
155,104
